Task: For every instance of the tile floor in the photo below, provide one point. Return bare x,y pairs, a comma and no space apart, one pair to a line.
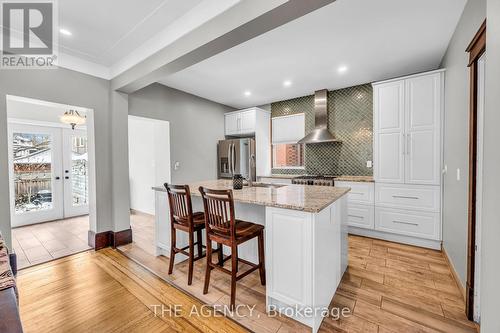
43,242
143,230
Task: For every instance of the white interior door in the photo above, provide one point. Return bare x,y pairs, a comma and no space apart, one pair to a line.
35,173
75,174
423,123
389,132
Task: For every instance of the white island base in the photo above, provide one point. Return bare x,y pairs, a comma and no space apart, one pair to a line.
305,253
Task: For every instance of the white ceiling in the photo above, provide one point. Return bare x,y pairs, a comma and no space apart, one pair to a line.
376,40
104,32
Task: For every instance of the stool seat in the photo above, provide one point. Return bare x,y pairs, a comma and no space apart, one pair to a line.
198,220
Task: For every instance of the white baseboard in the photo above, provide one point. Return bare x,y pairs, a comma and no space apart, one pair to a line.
427,243
455,274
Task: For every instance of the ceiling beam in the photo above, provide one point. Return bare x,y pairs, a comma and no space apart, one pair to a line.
244,21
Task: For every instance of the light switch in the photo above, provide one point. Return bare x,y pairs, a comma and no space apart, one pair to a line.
458,174
369,164
177,165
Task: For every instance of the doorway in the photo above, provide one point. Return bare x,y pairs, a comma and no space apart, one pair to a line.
48,168
149,166
49,164
476,51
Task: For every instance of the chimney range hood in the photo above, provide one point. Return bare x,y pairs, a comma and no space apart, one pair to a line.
320,134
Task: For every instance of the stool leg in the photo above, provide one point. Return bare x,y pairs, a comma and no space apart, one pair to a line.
172,250
262,265
191,258
200,243
208,268
234,269
220,255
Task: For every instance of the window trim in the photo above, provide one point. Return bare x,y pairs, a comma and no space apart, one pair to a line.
302,167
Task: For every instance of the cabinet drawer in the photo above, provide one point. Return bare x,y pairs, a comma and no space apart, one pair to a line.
409,223
408,196
361,192
361,216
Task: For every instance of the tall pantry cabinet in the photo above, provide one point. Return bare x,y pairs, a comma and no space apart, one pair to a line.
408,158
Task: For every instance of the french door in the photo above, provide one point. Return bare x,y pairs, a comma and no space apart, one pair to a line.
48,173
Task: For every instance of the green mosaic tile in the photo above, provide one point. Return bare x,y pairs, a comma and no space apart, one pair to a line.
350,119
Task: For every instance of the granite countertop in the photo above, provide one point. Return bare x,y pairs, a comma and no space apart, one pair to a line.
343,178
307,198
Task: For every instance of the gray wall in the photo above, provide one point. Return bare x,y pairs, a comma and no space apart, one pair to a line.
490,241
68,87
456,126
196,124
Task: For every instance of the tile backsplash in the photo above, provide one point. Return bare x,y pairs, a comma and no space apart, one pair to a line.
350,119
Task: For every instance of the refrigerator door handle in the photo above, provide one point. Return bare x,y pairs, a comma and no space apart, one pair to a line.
229,158
233,154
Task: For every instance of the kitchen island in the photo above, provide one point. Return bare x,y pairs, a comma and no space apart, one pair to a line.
305,241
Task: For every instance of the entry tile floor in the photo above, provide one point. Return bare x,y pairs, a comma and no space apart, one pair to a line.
38,243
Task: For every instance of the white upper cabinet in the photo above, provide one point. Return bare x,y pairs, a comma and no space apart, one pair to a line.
423,123
389,133
241,123
407,130
288,129
232,123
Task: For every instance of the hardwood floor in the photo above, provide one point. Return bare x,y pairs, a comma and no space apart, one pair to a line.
106,292
388,287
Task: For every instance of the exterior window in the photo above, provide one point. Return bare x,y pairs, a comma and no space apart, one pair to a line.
288,156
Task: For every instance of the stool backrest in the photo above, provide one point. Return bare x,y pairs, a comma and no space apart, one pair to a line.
179,200
219,211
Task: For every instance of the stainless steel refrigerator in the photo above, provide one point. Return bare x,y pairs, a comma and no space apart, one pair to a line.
237,156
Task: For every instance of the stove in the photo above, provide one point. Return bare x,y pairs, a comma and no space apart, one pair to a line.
314,180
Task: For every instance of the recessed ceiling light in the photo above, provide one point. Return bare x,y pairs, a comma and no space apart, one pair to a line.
248,93
287,83
65,32
342,69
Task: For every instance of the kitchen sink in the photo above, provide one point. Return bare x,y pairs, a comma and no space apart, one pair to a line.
265,185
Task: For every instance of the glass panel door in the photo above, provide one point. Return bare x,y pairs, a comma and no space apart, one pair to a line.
76,180
35,168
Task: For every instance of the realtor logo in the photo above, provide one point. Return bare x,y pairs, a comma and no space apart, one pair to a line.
28,34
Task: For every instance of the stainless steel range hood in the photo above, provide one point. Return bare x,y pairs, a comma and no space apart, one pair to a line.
320,133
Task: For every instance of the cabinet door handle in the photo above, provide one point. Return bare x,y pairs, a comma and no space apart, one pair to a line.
408,139
404,144
404,222
405,197
357,216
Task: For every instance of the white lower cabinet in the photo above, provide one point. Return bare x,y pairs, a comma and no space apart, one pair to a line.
408,222
360,204
406,196
361,216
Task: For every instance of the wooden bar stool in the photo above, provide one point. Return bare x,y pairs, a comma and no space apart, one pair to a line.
222,228
182,218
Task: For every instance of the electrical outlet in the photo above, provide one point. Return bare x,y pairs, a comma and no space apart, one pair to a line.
177,165
369,164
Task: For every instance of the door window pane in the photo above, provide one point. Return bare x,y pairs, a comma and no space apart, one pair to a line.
79,170
32,172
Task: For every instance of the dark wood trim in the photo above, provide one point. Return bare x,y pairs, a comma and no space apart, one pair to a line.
476,48
478,44
122,237
104,239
